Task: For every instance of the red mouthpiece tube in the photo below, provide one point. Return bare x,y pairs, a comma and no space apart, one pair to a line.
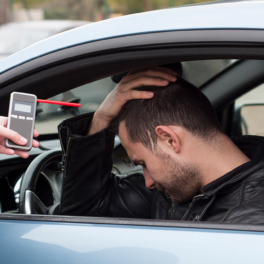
58,103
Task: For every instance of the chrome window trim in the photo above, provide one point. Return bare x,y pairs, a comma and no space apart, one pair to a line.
131,222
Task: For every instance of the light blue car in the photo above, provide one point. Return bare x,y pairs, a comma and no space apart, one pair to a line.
221,50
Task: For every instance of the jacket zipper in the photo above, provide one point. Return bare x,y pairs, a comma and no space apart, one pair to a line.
191,205
63,149
65,156
172,209
65,153
205,209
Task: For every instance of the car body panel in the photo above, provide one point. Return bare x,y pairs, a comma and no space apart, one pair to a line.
49,242
242,15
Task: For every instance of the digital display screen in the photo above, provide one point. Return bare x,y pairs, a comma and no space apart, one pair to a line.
22,108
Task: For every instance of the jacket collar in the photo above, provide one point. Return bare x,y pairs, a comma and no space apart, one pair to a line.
253,147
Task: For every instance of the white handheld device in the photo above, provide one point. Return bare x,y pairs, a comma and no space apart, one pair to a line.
21,118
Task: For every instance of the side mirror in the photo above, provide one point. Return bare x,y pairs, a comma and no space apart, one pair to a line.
250,119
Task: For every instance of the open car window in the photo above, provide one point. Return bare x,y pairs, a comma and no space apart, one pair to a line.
91,95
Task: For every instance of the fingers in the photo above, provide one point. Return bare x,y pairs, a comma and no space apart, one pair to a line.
12,135
22,154
145,81
170,75
134,94
157,68
6,133
165,69
35,133
7,151
3,121
35,143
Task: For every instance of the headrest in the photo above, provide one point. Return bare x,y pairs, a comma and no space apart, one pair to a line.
174,66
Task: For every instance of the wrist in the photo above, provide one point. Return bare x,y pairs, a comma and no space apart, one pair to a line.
98,123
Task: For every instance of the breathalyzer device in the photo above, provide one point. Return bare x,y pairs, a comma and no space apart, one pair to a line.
21,118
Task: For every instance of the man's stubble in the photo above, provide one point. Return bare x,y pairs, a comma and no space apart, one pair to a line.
180,181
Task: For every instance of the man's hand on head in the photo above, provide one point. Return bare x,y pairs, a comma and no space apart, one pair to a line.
125,91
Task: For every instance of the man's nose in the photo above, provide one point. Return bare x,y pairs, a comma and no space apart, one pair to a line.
150,184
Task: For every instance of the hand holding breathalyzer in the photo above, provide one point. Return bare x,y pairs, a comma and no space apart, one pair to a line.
6,133
21,118
17,131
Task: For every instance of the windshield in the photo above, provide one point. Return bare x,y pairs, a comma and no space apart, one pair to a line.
89,95
92,95
15,39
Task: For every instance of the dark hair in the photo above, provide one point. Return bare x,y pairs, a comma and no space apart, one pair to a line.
178,103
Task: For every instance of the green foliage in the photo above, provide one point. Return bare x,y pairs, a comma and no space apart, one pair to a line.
31,3
70,9
132,6
88,9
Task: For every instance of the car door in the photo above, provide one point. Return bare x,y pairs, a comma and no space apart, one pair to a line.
50,239
73,239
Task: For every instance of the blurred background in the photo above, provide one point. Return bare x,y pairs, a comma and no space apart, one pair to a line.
24,22
90,10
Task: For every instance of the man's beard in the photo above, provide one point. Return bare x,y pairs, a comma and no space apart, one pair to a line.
180,181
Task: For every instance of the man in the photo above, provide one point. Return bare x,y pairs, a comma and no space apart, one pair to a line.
192,170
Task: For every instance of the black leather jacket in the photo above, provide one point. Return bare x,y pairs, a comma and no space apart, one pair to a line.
90,189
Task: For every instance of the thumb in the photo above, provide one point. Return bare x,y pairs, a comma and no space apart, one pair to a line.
12,135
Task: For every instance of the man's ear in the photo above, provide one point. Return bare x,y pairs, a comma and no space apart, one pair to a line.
169,137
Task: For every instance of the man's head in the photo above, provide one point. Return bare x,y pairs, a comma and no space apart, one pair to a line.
158,134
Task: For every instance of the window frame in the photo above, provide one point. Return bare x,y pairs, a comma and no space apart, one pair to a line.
123,54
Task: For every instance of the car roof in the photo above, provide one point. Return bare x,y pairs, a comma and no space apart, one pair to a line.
232,15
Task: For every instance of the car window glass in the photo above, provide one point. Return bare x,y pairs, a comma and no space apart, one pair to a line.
199,72
90,96
249,109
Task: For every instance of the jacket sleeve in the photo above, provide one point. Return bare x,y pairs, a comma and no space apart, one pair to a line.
89,188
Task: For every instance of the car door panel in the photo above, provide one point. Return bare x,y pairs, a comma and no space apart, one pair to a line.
51,242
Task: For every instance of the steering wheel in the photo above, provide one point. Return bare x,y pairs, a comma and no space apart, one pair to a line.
30,203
